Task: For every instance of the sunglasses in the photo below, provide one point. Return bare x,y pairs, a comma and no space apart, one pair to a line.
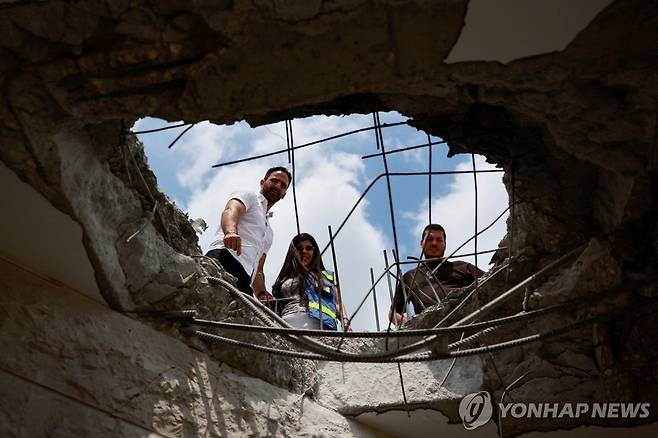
305,248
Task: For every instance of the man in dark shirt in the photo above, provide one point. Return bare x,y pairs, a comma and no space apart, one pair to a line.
425,285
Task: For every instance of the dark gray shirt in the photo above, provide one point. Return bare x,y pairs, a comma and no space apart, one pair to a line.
425,289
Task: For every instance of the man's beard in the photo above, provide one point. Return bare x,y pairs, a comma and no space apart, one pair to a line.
270,196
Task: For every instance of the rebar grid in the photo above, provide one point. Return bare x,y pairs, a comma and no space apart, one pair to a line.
379,140
401,355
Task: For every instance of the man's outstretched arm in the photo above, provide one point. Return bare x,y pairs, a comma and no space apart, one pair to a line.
231,215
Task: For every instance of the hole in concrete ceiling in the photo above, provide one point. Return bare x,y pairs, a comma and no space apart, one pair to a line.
330,178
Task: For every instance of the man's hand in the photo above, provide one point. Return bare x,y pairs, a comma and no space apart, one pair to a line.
397,318
232,240
347,325
400,318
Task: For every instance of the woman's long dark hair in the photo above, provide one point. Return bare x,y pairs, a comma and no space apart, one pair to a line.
294,268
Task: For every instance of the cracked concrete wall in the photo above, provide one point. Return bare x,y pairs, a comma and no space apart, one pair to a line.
574,130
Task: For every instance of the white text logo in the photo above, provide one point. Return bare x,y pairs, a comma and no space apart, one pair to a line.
475,409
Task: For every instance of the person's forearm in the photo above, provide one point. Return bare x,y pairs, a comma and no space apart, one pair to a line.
258,284
229,222
345,321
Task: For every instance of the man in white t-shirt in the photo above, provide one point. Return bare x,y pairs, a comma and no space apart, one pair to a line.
244,235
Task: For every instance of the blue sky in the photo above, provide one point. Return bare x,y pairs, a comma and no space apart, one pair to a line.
330,177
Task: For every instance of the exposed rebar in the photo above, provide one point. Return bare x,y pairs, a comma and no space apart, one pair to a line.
149,131
281,151
291,143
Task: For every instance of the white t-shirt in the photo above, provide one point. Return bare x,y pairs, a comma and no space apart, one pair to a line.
253,228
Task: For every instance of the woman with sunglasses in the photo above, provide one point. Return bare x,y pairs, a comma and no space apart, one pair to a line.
306,293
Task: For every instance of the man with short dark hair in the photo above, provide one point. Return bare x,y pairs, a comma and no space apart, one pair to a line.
425,285
244,235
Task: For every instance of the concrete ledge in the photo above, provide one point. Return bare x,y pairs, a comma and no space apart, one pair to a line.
355,388
96,359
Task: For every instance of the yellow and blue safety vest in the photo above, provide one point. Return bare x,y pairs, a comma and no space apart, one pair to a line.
325,300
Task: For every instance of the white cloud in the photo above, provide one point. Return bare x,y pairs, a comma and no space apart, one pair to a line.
201,147
456,211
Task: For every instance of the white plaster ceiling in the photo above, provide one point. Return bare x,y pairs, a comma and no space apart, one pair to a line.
505,30
37,236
